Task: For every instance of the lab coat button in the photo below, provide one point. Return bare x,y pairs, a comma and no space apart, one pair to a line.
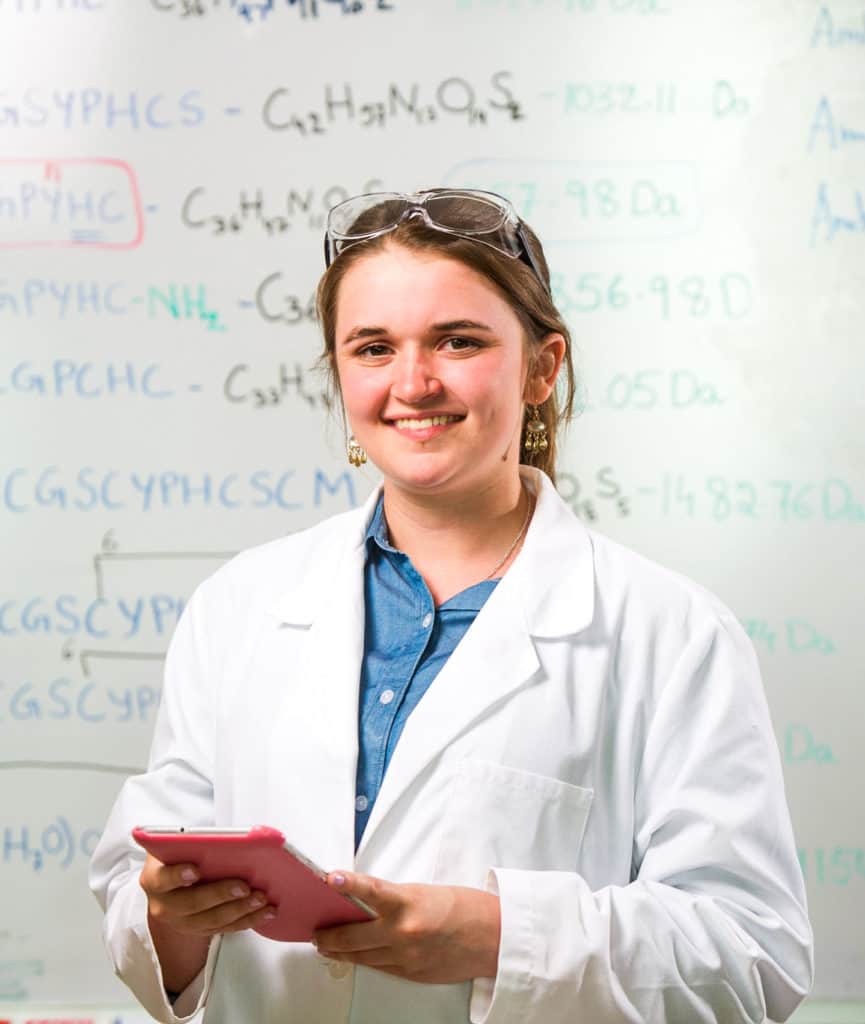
338,969
361,803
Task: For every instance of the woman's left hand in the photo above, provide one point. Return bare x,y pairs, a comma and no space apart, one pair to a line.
438,934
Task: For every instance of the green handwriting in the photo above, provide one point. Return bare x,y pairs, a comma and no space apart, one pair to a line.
649,390
800,746
791,501
793,636
839,866
726,296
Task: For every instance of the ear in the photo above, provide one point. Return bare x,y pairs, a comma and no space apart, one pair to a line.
546,363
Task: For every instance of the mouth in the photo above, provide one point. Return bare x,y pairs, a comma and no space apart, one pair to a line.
424,422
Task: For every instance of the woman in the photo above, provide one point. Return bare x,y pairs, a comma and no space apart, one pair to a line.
583,818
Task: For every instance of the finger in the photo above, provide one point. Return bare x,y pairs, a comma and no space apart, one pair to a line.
385,966
380,958
263,916
204,897
233,917
383,897
349,938
157,877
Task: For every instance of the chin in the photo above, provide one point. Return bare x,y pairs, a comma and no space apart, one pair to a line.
423,478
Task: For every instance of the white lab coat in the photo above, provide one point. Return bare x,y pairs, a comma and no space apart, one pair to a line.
597,751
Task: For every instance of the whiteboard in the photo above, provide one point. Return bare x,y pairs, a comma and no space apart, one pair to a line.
697,173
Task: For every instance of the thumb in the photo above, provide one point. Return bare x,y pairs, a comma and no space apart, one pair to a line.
381,896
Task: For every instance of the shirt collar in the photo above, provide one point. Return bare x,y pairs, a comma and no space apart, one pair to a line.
377,529
550,587
470,599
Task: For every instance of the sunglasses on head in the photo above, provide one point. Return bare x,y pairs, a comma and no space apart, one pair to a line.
484,217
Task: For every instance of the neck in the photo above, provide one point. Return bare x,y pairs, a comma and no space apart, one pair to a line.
456,541
410,512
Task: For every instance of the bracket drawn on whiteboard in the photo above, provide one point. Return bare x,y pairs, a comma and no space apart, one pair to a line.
110,555
86,656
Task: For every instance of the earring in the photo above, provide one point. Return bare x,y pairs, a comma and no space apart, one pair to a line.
356,454
535,439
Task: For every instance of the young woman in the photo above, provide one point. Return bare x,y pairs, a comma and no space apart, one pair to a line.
544,761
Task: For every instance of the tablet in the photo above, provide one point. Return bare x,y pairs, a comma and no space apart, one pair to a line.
293,884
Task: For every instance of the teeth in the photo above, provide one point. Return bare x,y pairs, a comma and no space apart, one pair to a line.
430,421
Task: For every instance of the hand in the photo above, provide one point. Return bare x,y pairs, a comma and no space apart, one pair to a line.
177,900
438,934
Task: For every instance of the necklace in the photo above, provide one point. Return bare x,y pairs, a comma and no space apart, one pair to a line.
516,540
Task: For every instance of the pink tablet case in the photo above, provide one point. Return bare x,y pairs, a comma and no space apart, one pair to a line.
261,857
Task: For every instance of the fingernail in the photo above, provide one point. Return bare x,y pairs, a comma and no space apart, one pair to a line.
238,891
256,902
338,879
269,915
188,875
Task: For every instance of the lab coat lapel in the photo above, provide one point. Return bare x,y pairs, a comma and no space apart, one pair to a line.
328,601
494,658
548,592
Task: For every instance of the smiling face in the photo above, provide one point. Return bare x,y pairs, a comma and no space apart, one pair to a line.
432,367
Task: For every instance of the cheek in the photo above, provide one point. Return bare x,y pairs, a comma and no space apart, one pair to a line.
358,389
501,392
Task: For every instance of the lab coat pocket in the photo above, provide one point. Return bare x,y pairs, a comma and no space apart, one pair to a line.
504,817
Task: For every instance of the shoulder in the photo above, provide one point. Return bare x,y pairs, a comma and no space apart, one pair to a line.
624,577
663,627
637,603
627,586
261,574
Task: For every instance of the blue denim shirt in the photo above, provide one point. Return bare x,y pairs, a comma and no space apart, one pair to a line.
407,641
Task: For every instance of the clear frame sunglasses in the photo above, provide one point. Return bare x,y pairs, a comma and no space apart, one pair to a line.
484,217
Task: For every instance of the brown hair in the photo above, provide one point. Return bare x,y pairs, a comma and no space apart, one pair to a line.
515,280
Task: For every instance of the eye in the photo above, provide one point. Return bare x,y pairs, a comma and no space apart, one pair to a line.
461,344
374,350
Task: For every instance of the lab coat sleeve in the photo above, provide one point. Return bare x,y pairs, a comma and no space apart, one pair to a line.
175,790
713,925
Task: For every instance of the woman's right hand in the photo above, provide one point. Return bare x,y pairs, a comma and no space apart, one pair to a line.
184,914
178,901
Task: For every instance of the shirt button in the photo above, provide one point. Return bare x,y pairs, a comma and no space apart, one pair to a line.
427,620
361,803
386,697
338,968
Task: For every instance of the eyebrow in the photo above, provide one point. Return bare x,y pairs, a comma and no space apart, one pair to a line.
462,325
448,325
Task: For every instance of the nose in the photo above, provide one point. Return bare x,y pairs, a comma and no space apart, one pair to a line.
414,377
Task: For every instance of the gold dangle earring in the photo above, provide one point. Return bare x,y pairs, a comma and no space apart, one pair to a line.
356,454
535,439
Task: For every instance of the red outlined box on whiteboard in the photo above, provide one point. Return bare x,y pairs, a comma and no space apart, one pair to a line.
84,202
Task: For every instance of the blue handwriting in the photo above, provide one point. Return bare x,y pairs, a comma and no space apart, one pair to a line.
64,699
99,618
828,223
50,6
259,10
27,488
833,134
98,108
827,33
58,844
63,378
50,297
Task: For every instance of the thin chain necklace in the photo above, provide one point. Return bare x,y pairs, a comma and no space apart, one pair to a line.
516,540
